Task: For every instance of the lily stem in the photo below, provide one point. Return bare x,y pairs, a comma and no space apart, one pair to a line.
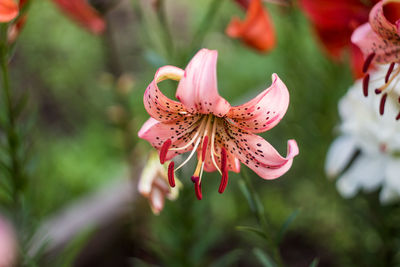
167,36
11,131
258,209
205,24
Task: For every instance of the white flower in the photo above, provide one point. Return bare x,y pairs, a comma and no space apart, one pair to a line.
153,184
376,137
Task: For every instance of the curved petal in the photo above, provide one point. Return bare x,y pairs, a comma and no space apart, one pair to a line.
369,42
8,10
257,30
156,103
197,89
255,152
339,155
380,23
365,173
264,111
83,13
180,132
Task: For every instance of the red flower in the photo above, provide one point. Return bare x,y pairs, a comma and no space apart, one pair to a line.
8,10
83,13
256,30
334,22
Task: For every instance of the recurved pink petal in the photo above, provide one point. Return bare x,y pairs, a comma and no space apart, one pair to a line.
198,90
383,18
370,42
257,153
156,103
8,10
264,111
180,132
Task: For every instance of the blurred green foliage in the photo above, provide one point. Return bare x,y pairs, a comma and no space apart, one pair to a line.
77,149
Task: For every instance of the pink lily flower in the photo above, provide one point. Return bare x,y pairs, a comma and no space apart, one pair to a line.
380,41
204,122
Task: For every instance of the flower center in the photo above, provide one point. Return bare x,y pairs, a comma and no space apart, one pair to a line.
390,83
202,141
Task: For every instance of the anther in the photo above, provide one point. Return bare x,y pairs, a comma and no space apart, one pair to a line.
365,85
398,117
164,150
382,104
367,62
224,182
197,187
171,178
378,91
204,148
389,72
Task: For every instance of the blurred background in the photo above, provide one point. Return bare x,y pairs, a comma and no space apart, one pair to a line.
84,108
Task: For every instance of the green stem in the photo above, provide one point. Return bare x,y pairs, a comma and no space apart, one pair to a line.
12,138
258,210
167,36
205,25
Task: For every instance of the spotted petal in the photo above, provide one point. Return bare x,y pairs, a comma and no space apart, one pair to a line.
8,10
383,18
264,111
156,103
257,153
180,132
370,42
197,89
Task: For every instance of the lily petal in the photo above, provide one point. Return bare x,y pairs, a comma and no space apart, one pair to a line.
257,30
383,18
339,155
365,173
156,103
370,42
197,89
8,10
264,111
83,13
255,152
156,133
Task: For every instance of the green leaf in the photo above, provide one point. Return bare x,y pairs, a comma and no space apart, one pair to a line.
286,225
252,230
247,195
228,259
263,258
72,250
314,263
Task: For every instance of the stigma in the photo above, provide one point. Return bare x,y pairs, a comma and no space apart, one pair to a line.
203,142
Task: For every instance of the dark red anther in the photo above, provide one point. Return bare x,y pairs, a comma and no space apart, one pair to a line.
382,104
389,72
378,91
197,187
171,178
367,62
224,182
398,99
398,117
204,148
365,85
164,150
